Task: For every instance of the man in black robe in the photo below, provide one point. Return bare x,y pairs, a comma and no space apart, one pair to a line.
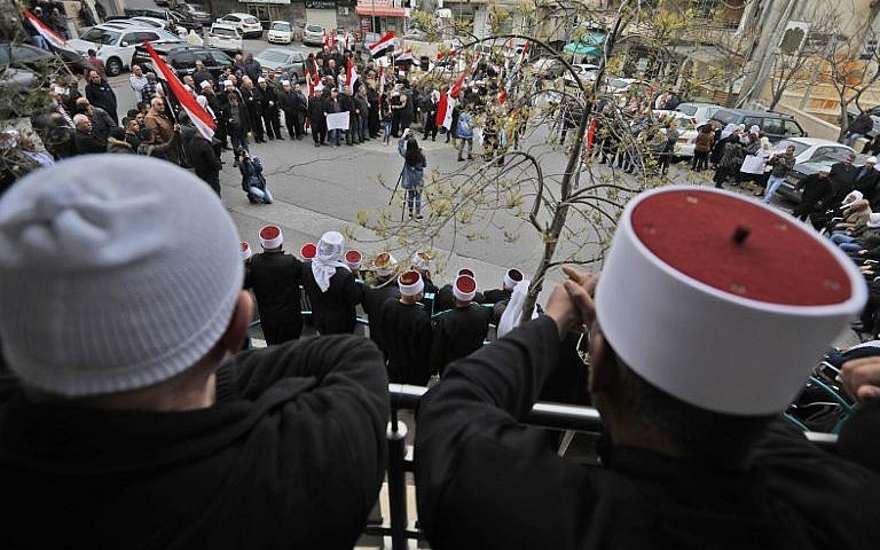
461,330
331,287
406,332
317,120
721,469
510,280
275,277
377,292
444,299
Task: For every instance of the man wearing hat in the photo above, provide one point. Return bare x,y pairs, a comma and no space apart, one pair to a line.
293,103
269,108
275,278
460,331
406,332
129,405
377,291
445,297
511,278
695,453
331,287
867,178
816,189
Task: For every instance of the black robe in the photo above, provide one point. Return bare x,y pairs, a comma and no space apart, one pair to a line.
816,190
497,295
486,481
372,303
445,299
406,334
275,278
333,311
458,333
291,455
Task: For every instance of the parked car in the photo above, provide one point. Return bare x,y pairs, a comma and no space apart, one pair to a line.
548,67
280,32
807,149
248,25
175,18
196,13
224,37
182,58
291,63
701,112
313,35
790,191
22,67
687,131
143,21
585,71
617,85
775,126
115,45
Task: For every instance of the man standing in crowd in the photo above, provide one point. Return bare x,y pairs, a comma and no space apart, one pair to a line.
430,107
332,105
150,89
204,161
85,139
696,451
100,94
406,332
161,128
379,290
275,277
317,119
201,74
137,80
95,63
236,118
269,109
815,189
253,99
782,165
293,103
461,330
445,298
102,123
511,278
144,405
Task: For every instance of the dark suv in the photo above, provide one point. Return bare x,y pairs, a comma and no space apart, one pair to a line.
183,58
776,126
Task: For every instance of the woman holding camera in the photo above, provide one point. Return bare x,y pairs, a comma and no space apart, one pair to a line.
413,174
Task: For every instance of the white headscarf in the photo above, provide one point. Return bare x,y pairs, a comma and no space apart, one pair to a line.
727,131
513,312
331,248
203,101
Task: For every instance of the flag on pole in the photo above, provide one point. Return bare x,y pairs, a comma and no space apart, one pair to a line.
405,56
54,39
447,103
351,74
200,118
443,55
388,40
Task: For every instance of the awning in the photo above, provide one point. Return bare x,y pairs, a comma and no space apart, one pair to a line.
591,44
381,11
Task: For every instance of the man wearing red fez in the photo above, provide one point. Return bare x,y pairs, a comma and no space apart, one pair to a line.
711,312
406,331
275,276
461,330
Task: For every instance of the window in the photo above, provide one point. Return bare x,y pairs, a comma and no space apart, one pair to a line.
274,56
281,27
224,31
773,126
725,117
220,58
798,146
129,39
232,18
314,28
184,59
101,36
791,128
250,20
688,109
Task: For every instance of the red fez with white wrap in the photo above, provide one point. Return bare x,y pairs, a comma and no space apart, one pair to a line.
353,259
410,283
270,236
308,251
245,251
721,301
465,288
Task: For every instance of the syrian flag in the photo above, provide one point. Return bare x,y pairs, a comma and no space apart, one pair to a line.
351,74
447,103
443,55
388,40
404,57
200,118
54,39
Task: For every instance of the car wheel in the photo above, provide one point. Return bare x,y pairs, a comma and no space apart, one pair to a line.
113,66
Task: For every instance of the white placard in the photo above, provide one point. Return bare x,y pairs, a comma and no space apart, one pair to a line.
338,121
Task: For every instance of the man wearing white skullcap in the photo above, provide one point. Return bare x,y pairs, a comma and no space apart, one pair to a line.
331,287
406,332
461,330
121,284
695,349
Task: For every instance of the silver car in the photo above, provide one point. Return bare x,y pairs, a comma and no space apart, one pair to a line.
313,35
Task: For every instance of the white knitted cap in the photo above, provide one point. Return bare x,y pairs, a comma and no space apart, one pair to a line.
102,290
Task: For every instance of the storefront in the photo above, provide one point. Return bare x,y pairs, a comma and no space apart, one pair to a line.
321,12
268,10
381,16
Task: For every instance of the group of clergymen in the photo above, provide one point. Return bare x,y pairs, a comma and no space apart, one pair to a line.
398,302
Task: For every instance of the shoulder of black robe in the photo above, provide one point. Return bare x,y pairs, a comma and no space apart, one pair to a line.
860,435
486,481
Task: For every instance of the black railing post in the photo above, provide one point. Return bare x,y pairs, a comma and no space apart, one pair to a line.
397,482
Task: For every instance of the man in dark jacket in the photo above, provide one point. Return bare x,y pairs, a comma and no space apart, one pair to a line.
697,455
201,74
445,298
84,139
460,331
317,119
269,108
102,122
275,277
860,127
867,177
816,189
406,332
511,278
252,67
253,100
293,103
204,161
100,94
172,435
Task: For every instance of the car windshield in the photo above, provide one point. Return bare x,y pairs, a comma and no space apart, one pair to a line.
250,20
838,154
688,109
724,117
283,27
274,56
798,146
685,125
168,36
21,54
223,31
314,28
101,36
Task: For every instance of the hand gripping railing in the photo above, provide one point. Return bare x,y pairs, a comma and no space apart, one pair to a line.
548,415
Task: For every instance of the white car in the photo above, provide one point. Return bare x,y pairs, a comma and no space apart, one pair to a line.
585,71
248,25
687,131
702,112
313,35
143,21
808,149
280,32
115,44
224,37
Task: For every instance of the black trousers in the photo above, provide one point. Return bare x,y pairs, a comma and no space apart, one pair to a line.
294,125
430,128
213,180
257,120
273,124
278,331
319,132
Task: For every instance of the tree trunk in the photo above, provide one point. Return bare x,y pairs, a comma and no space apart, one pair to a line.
10,24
